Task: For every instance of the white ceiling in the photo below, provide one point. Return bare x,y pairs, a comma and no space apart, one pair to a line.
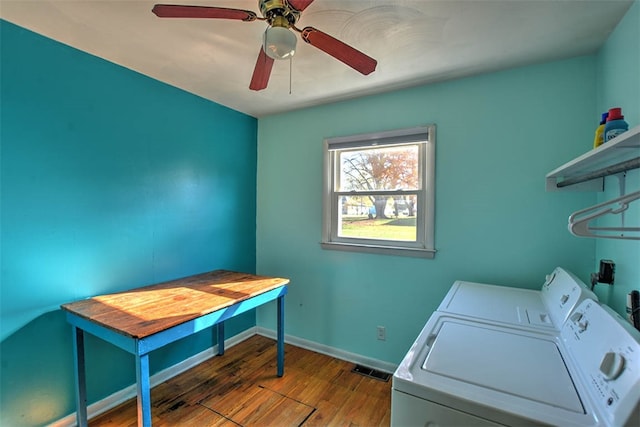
414,42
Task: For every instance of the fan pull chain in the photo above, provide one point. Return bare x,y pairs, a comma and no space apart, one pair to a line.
290,68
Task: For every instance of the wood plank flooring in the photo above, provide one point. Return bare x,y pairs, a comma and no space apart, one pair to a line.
241,389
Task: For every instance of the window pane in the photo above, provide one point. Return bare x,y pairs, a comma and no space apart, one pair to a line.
386,168
378,217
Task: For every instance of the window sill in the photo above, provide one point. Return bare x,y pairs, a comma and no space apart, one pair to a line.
383,250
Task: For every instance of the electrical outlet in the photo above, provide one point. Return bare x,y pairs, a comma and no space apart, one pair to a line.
382,333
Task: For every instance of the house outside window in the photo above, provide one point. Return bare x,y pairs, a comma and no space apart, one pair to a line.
379,192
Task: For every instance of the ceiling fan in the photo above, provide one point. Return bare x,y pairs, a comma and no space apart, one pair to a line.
279,42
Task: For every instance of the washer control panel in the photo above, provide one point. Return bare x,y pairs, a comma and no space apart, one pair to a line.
562,292
606,351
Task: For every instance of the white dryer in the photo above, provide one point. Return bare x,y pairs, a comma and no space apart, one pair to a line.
473,370
548,307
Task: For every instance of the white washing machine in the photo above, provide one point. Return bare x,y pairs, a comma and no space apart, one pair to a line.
548,307
465,371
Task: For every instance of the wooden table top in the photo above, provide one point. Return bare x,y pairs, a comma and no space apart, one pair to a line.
145,311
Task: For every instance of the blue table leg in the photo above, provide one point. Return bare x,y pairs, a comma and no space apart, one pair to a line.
220,328
81,380
143,388
280,333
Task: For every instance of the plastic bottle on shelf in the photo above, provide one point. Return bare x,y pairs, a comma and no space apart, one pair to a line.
599,139
615,124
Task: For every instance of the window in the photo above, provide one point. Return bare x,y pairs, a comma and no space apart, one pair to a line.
379,192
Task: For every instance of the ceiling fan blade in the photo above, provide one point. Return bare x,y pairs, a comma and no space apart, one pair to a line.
181,11
261,72
299,5
339,50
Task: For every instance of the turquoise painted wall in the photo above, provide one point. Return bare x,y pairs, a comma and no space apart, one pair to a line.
618,65
498,135
110,181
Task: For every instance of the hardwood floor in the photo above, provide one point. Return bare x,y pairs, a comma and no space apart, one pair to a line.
241,389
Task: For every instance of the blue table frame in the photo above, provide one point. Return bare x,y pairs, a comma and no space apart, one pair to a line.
141,347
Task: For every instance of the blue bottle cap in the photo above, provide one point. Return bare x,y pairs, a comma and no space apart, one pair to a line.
604,118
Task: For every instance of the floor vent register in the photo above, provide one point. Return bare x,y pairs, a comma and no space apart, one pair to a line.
372,373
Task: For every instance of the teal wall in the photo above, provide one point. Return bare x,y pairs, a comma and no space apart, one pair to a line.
619,86
110,180
498,135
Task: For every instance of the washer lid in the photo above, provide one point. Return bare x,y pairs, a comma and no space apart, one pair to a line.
500,303
514,363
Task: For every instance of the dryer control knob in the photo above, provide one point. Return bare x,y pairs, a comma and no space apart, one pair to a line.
582,325
612,365
549,278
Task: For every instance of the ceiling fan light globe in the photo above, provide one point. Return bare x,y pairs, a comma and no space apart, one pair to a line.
279,43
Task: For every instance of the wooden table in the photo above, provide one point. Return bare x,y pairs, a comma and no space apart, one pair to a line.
144,319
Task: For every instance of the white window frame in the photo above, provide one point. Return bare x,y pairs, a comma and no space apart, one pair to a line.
424,245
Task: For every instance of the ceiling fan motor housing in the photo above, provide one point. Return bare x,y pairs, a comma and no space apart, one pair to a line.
278,13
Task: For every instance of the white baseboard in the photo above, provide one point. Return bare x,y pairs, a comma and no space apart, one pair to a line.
331,351
129,392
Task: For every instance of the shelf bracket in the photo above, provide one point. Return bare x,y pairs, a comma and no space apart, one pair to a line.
622,185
